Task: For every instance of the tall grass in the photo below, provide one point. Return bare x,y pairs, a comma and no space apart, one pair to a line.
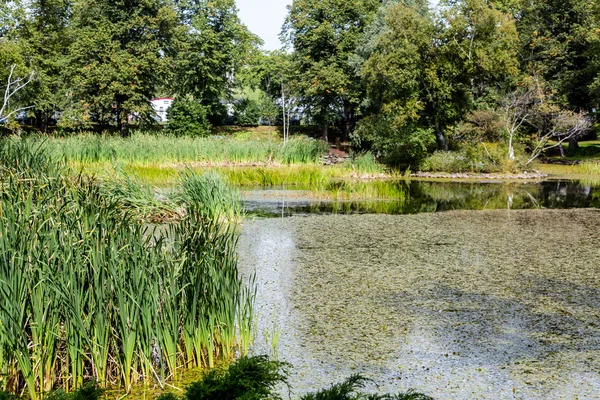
211,194
591,168
151,149
89,292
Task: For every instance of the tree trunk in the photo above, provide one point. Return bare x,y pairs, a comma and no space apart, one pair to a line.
562,151
440,137
325,132
347,121
573,146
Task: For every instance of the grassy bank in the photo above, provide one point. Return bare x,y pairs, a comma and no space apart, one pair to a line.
89,291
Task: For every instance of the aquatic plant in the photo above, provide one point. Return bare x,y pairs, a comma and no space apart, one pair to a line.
350,390
145,148
210,194
365,163
92,292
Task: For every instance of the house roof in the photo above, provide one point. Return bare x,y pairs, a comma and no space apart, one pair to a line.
162,98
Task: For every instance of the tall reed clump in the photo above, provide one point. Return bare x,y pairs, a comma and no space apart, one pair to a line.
89,292
211,194
143,148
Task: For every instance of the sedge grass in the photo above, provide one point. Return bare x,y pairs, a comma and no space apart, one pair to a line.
91,292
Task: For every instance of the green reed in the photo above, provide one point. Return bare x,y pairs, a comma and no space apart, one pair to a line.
91,292
146,148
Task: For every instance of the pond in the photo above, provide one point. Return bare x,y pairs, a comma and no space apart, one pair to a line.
410,197
471,303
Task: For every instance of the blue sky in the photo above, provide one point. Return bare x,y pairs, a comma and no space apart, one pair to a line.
265,18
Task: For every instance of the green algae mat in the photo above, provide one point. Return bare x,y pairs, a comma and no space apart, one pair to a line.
459,305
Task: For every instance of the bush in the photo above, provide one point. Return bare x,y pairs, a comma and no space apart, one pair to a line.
188,118
247,112
349,390
403,146
480,158
250,378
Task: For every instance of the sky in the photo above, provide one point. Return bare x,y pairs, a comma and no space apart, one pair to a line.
265,18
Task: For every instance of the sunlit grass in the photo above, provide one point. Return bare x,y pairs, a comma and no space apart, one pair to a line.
142,148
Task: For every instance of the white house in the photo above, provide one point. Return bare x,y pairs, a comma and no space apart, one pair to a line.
161,107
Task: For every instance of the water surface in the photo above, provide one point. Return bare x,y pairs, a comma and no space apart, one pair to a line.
500,304
410,197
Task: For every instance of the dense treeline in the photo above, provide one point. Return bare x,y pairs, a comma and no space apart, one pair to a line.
396,77
101,61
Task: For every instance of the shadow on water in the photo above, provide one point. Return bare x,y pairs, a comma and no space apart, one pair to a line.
413,197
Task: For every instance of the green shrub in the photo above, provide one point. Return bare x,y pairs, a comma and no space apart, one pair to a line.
349,390
188,118
249,378
247,112
479,158
396,145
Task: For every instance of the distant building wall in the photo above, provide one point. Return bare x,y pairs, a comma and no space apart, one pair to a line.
161,107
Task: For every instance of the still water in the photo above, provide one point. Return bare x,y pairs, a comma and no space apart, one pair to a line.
410,197
498,297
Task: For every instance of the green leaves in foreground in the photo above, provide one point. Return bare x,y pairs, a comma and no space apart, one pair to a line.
252,378
88,291
256,378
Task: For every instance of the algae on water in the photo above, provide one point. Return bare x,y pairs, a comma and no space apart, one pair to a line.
468,304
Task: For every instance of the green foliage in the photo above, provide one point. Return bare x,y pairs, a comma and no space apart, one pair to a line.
430,73
215,46
188,117
46,37
89,391
142,148
70,248
478,158
269,111
247,112
365,163
118,59
252,378
324,35
395,144
560,42
211,195
349,390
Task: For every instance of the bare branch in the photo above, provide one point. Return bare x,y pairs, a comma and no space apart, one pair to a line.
12,87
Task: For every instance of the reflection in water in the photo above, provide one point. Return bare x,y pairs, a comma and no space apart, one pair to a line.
412,197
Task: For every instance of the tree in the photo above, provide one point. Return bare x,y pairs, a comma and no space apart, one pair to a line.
119,58
216,46
45,38
530,114
268,109
558,39
247,112
324,35
430,73
187,117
